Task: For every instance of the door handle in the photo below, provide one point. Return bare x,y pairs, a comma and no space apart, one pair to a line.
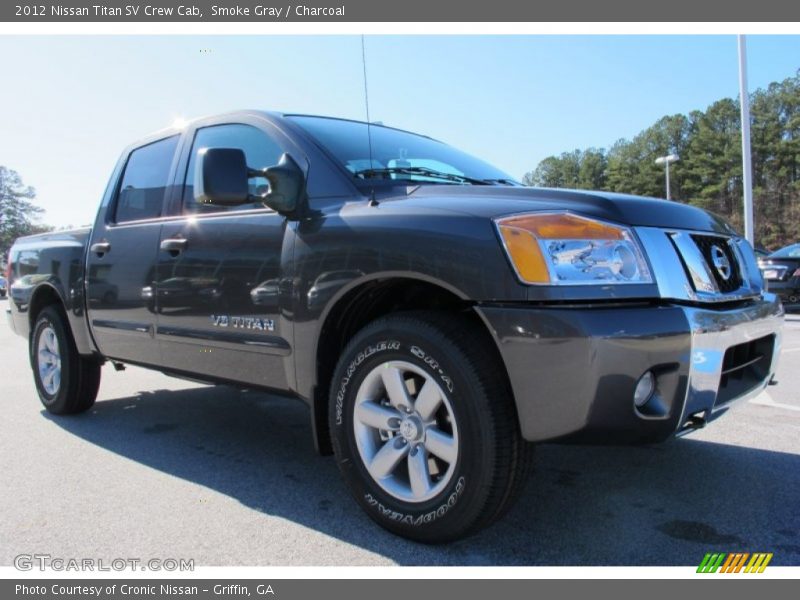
174,245
100,248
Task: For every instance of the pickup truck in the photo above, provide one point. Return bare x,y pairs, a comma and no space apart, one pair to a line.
437,317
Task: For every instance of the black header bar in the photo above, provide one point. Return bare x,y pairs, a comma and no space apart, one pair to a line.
404,11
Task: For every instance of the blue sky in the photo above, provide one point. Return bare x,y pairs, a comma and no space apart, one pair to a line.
69,104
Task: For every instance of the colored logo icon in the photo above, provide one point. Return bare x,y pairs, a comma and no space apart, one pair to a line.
735,562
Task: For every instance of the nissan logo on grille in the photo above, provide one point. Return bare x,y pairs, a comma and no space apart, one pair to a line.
721,263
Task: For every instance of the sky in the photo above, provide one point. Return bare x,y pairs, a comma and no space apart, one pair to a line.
70,104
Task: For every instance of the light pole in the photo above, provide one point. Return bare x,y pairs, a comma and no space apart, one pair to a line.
666,161
747,168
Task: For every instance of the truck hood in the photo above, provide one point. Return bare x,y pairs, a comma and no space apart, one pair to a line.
496,201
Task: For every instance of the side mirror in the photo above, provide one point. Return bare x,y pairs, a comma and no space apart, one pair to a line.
220,177
287,185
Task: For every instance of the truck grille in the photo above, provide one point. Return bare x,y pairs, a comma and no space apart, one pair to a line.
706,244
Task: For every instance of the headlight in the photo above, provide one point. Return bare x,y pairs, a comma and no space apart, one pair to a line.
567,249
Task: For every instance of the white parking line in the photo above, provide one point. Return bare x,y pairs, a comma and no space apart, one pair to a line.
766,400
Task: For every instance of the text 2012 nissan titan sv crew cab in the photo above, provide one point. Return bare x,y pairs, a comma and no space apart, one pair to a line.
436,316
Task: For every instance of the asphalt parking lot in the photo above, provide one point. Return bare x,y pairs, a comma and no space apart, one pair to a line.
162,468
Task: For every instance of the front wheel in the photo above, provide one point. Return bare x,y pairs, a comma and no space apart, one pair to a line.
67,382
424,427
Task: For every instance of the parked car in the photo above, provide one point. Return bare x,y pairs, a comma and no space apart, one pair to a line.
437,317
781,269
3,287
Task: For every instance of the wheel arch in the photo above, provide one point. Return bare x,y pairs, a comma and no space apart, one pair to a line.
47,294
359,304
43,296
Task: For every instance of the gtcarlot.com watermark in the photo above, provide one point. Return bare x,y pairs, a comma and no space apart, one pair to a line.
47,562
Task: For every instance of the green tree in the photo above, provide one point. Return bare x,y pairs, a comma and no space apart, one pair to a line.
593,169
632,165
775,140
580,169
712,165
18,215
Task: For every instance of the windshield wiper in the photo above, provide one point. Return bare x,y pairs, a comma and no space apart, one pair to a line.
509,182
420,171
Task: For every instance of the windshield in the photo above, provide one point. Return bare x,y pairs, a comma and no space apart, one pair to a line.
397,154
792,251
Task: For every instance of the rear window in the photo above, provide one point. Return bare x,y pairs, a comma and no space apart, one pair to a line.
144,182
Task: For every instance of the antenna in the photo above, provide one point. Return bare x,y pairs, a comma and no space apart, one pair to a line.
372,201
366,96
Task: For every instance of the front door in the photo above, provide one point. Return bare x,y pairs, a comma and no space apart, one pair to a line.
120,266
220,276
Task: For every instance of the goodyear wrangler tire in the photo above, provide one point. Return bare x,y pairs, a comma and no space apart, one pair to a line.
424,427
67,382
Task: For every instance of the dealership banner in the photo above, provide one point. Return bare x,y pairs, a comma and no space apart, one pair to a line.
386,589
406,11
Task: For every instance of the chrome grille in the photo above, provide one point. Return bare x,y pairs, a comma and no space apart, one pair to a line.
708,245
683,271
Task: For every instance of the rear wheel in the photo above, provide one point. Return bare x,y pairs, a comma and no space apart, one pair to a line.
67,382
424,427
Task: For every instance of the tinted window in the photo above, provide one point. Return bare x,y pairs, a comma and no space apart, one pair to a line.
259,149
393,149
141,193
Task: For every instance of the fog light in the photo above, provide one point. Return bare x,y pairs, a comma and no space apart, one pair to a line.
644,389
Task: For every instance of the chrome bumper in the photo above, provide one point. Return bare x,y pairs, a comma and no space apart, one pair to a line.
713,332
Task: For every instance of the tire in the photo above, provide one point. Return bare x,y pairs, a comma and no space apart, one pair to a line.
453,463
67,383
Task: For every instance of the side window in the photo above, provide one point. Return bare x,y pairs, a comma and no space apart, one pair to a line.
145,180
259,149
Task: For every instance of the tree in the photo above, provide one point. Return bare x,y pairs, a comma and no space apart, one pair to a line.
712,165
18,215
775,138
632,165
593,169
580,169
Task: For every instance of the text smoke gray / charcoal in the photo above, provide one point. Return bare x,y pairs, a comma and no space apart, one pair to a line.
277,12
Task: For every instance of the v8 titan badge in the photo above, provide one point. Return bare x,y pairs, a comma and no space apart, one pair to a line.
253,323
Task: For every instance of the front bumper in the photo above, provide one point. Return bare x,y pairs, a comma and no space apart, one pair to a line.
573,370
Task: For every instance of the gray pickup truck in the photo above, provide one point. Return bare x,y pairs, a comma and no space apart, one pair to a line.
437,317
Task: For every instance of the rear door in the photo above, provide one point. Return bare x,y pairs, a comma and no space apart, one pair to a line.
221,273
120,266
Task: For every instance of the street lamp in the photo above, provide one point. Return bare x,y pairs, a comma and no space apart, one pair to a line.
666,161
